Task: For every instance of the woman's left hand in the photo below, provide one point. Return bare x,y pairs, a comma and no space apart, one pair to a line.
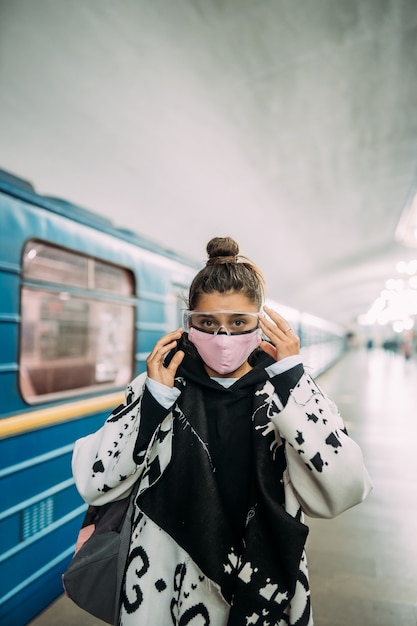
284,341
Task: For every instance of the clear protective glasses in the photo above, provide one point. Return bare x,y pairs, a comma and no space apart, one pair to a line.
229,322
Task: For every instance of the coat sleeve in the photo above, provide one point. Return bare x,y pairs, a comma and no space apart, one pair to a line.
325,465
102,463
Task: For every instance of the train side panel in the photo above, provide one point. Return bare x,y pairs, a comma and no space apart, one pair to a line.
41,510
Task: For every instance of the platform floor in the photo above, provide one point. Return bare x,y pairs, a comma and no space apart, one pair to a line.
363,564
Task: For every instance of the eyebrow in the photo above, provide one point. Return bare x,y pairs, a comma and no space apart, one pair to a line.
230,313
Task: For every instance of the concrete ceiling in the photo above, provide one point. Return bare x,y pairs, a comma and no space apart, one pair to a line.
289,125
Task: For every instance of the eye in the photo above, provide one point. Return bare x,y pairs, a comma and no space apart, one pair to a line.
242,323
204,322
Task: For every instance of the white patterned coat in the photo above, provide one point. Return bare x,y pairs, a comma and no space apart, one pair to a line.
325,475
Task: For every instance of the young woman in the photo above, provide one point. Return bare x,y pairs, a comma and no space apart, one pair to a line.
231,442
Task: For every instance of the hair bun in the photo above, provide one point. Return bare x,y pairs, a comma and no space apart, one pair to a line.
226,271
224,247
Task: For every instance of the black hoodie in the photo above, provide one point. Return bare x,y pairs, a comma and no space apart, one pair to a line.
221,497
229,412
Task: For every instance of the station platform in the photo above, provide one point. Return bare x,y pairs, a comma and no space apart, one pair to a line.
363,564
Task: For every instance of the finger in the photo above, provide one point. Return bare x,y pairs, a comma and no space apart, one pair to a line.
285,340
169,337
269,349
176,361
158,353
165,343
271,329
280,321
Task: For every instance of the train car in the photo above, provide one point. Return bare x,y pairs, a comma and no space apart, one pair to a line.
322,342
82,304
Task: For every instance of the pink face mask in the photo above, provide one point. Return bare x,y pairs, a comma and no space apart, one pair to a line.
224,353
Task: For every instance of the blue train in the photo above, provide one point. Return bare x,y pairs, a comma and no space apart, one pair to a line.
82,304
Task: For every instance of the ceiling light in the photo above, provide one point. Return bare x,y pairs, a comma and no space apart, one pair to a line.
397,302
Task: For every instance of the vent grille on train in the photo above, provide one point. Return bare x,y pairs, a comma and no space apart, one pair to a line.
37,517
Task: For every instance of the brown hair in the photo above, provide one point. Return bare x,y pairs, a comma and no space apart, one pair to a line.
227,271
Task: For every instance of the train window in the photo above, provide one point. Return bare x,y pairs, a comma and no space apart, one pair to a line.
74,335
112,279
47,263
54,265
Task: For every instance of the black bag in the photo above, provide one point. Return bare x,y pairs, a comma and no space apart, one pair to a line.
94,576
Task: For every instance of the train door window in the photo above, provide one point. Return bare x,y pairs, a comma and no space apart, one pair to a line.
77,323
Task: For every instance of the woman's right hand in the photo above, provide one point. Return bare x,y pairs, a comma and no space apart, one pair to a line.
155,361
